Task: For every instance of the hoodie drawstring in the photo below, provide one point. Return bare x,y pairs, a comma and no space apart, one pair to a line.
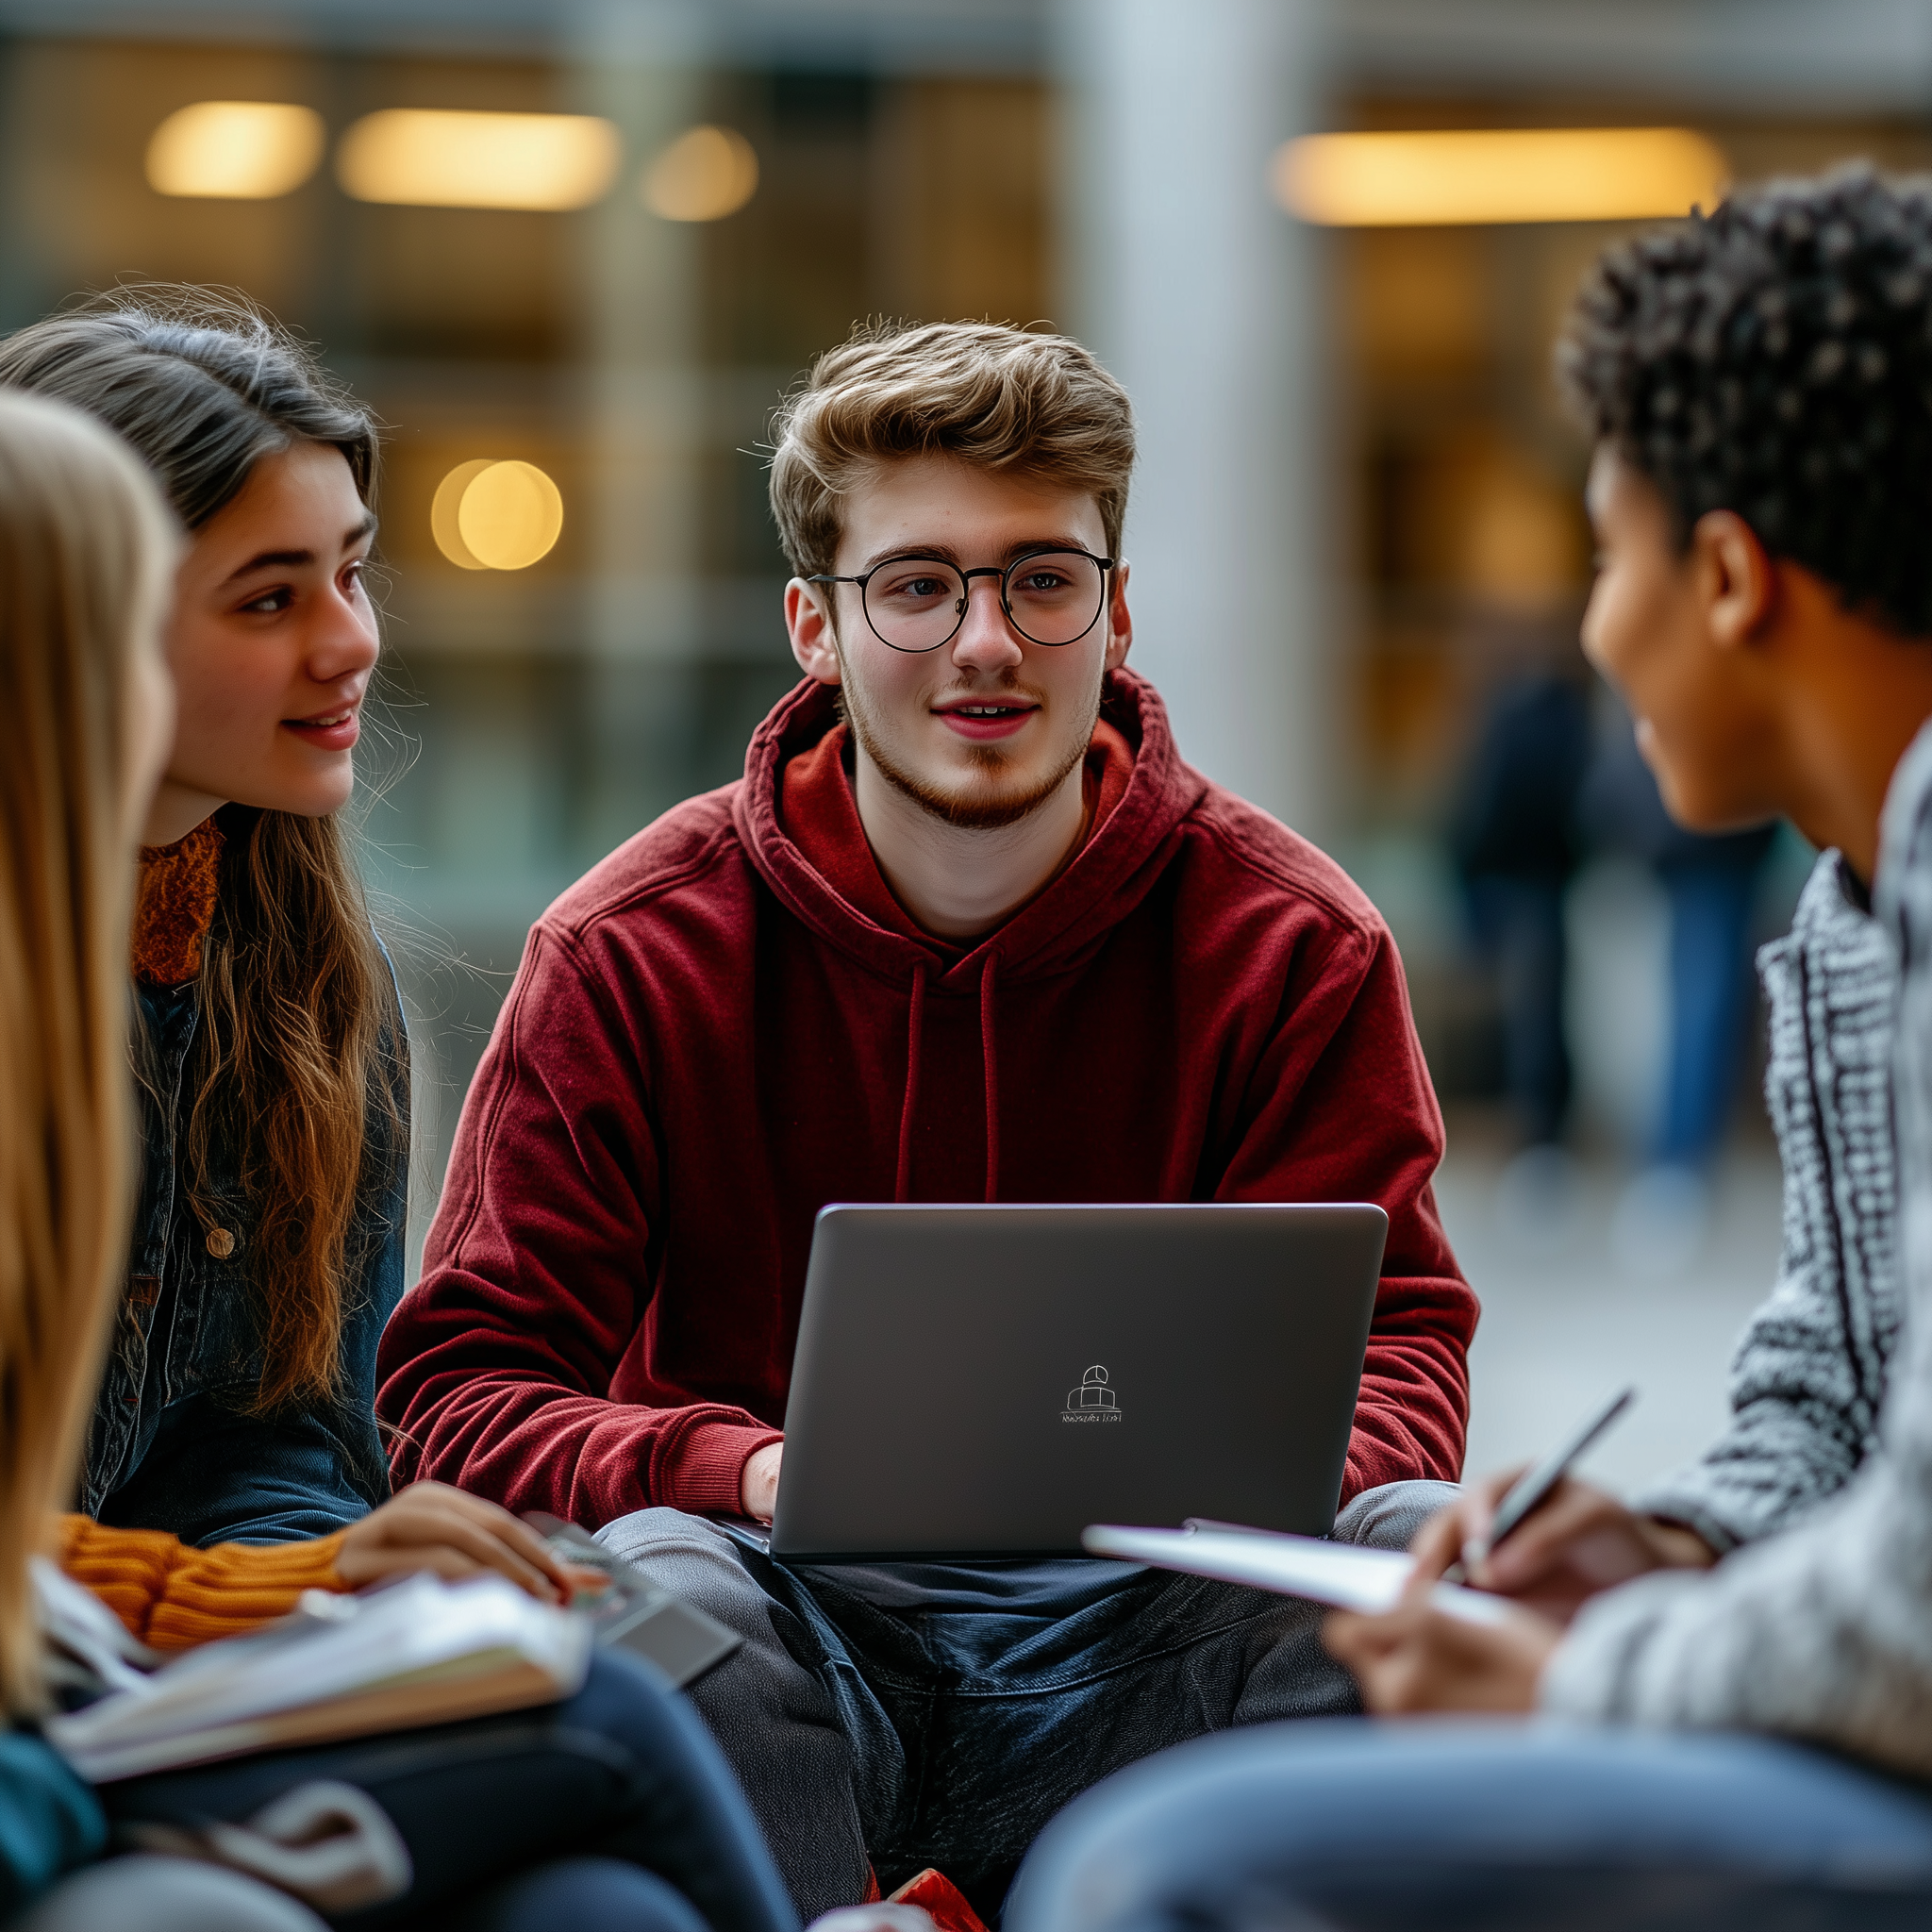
990,1060
989,1057
915,1020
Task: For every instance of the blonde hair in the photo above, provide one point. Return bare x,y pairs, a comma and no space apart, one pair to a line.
87,551
992,396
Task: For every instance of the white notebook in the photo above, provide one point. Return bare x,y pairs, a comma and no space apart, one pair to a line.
421,1652
1338,1573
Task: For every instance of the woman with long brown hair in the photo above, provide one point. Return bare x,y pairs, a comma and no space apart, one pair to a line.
611,1812
267,1249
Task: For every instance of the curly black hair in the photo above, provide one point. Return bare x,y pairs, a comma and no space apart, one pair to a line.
1774,359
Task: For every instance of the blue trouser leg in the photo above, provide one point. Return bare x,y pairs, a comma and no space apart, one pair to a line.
623,1770
1354,1826
1711,992
577,1895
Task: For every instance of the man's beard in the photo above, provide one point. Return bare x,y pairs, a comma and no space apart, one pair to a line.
984,813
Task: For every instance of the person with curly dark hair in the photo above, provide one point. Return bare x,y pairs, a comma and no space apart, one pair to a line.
1744,1657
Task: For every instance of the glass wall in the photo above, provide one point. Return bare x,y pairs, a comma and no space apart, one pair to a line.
576,360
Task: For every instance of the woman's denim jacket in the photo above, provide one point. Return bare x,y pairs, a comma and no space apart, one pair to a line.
172,1444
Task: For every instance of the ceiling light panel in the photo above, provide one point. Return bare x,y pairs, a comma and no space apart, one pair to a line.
439,158
235,150
1481,176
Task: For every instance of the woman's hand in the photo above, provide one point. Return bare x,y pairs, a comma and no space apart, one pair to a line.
1575,1542
432,1526
1419,1658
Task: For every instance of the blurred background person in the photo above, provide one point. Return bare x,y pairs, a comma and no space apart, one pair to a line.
1514,839
1711,885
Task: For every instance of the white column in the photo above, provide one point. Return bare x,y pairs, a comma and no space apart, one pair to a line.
636,64
1206,300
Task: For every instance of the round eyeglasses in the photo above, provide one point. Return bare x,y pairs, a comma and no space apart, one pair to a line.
919,602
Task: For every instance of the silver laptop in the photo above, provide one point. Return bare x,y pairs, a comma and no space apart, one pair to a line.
986,1381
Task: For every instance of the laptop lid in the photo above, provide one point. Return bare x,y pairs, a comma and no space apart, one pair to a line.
982,1381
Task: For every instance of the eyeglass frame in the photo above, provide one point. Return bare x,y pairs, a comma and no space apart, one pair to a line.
1106,566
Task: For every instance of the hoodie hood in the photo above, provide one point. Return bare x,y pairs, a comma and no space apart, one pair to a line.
835,889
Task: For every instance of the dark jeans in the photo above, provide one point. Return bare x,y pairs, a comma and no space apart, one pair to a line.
922,1714
1355,1826
532,1819
1518,923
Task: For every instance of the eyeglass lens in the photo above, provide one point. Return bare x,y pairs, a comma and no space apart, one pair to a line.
917,604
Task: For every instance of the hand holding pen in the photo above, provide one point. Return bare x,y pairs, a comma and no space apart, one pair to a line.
1548,1539
1534,1485
1538,1536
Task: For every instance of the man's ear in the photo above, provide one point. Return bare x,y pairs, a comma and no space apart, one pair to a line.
1737,581
808,623
1119,625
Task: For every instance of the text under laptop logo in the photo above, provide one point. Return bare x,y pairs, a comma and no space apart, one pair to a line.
1093,1401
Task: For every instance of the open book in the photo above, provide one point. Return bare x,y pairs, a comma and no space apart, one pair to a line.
423,1651
1338,1573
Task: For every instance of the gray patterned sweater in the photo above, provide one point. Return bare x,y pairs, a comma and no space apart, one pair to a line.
1824,1630
1809,1374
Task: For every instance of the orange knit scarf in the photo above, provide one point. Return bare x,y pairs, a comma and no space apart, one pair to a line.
175,904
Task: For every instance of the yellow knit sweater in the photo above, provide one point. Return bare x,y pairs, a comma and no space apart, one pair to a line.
174,1597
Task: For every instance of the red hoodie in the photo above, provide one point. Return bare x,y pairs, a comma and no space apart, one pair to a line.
731,1021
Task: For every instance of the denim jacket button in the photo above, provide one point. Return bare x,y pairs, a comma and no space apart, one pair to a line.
221,1244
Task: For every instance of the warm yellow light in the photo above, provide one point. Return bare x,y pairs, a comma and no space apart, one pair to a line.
489,515
433,157
442,513
1501,175
704,175
235,150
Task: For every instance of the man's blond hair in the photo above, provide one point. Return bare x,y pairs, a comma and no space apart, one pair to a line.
998,397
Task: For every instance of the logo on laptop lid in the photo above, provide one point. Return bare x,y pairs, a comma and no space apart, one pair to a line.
1093,1401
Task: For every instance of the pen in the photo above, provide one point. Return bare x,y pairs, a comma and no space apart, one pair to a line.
1529,1488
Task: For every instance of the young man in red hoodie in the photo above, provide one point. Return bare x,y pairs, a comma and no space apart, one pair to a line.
968,928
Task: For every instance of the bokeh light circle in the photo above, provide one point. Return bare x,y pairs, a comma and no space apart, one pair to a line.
442,513
509,515
704,175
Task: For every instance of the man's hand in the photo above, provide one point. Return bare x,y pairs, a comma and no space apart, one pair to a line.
432,1526
757,1488
1418,1659
1575,1542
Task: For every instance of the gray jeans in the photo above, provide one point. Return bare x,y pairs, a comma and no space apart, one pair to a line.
910,1714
